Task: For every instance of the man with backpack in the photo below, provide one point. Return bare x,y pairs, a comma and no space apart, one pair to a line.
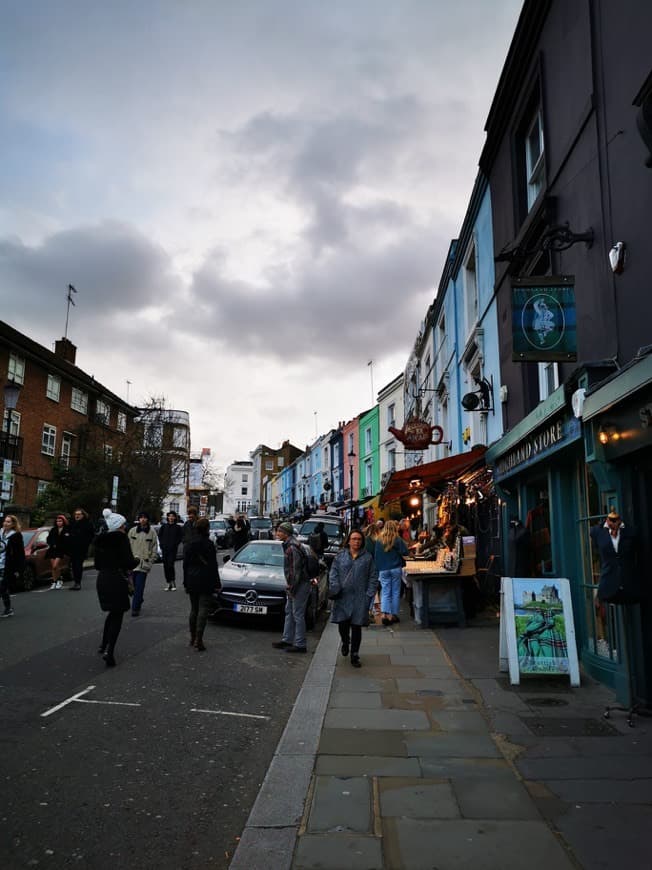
298,571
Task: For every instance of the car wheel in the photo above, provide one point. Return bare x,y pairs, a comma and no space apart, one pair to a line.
312,610
29,578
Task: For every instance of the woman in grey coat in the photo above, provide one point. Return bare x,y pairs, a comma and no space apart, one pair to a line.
353,581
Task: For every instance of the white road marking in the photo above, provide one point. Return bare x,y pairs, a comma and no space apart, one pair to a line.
79,700
227,713
67,701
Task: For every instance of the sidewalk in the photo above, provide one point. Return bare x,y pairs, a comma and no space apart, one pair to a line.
426,757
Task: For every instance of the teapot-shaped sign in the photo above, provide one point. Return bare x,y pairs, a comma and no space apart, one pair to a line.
418,434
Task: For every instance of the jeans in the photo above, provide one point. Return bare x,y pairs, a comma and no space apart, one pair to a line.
390,590
140,577
200,606
77,568
168,569
112,626
294,629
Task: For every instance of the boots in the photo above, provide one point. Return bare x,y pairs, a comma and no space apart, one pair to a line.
192,640
199,642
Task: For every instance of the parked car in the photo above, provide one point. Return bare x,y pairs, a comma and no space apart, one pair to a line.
221,533
333,526
261,529
253,583
38,568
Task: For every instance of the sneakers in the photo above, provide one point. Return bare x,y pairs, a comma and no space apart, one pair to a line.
58,584
355,661
281,644
173,588
167,588
135,612
54,585
8,611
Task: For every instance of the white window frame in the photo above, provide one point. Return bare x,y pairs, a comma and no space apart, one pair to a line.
534,162
16,368
367,440
391,459
121,424
545,370
66,448
245,478
41,486
280,461
49,440
369,476
470,282
108,452
269,465
53,388
14,426
102,409
79,401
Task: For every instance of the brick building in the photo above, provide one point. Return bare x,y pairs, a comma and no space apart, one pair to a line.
61,413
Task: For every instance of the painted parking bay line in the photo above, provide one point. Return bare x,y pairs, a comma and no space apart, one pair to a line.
229,713
78,699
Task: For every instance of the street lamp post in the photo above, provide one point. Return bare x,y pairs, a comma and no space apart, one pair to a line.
11,393
351,458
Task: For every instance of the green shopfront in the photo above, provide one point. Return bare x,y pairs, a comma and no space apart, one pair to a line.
540,473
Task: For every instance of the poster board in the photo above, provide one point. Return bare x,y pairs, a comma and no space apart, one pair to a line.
537,630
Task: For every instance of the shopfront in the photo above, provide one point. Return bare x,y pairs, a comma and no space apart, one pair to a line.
548,508
617,422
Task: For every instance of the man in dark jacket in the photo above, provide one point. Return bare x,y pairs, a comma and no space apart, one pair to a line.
170,535
81,535
318,539
617,546
201,579
298,590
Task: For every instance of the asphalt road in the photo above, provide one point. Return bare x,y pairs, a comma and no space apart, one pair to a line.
158,762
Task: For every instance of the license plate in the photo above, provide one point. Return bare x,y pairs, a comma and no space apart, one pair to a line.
250,608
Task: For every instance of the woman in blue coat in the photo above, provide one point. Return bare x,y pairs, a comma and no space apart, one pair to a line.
352,581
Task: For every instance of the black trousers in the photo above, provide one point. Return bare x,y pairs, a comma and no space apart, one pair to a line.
77,567
354,632
4,590
112,626
168,569
200,606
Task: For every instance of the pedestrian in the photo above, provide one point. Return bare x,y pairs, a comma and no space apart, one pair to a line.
113,560
170,535
298,588
81,535
352,585
142,539
389,555
318,540
370,537
240,533
201,579
58,541
12,559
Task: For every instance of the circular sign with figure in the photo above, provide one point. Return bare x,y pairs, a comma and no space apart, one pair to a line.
543,322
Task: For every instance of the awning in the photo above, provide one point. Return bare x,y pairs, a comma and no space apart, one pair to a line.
431,474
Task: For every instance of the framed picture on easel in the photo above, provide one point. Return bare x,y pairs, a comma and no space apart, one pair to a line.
537,631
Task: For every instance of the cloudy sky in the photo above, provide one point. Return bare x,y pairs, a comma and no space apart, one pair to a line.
252,198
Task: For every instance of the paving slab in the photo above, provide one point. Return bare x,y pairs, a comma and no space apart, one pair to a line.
602,791
382,672
509,723
608,836
370,700
262,848
502,799
344,742
377,720
454,721
454,768
417,799
495,697
342,805
482,845
428,684
455,745
367,765
360,684
335,852
417,661
616,768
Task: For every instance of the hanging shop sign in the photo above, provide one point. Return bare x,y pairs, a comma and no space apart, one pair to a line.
537,444
418,434
544,325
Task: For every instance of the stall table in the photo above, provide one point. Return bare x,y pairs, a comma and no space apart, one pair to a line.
441,588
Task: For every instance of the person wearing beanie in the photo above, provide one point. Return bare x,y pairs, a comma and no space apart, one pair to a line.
113,560
59,550
144,546
298,591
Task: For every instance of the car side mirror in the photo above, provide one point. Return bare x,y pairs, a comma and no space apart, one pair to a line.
226,559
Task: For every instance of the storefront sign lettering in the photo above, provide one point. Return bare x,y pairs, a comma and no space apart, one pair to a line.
531,447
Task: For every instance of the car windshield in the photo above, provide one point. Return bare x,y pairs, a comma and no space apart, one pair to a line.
262,523
254,554
27,537
333,530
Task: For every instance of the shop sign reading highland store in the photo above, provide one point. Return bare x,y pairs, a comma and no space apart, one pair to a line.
544,325
552,436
